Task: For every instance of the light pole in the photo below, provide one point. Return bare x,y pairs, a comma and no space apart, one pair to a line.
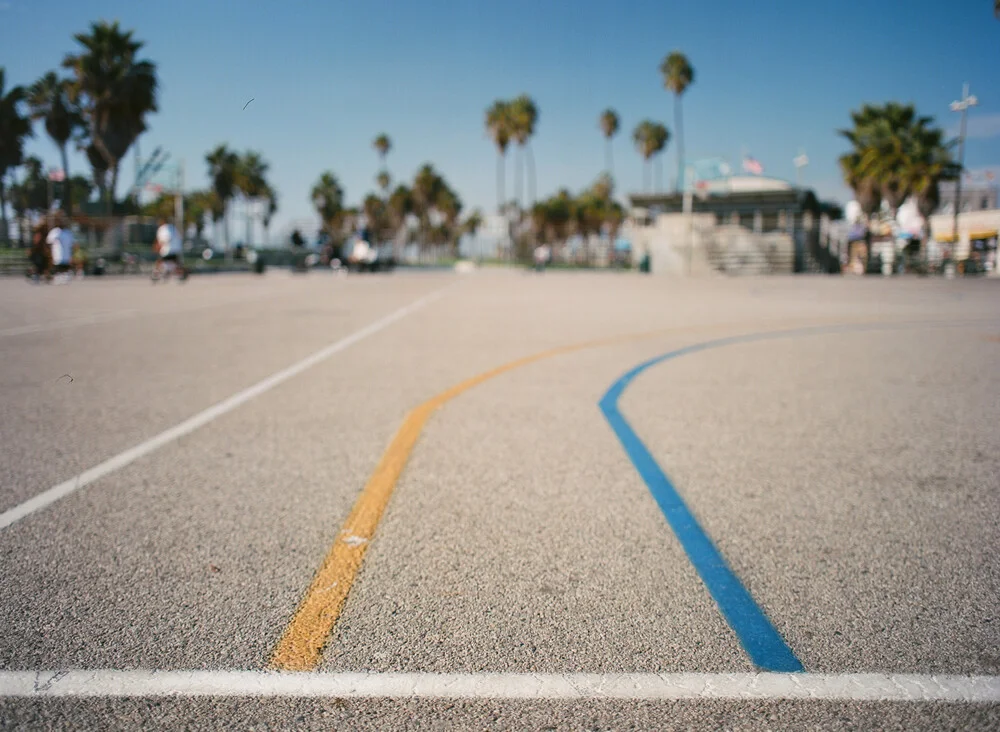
962,106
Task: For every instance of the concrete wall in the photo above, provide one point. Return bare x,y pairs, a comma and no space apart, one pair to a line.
675,245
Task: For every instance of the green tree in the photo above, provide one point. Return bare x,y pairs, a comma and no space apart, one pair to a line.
223,171
198,205
15,127
49,100
649,138
81,188
384,180
328,199
251,181
98,169
608,123
376,215
30,196
499,127
677,77
523,118
271,208
382,145
114,91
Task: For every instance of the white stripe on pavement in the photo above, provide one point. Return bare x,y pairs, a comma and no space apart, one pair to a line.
189,425
69,323
741,686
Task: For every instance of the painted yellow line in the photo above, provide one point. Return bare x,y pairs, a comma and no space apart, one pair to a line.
301,645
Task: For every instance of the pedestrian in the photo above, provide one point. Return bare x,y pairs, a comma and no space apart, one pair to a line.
60,241
168,250
41,255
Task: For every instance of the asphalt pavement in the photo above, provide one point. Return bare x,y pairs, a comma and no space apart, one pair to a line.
183,462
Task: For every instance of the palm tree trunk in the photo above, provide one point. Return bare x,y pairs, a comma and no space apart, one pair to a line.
5,231
225,232
518,174
645,175
501,159
67,187
658,174
608,159
531,174
111,191
678,124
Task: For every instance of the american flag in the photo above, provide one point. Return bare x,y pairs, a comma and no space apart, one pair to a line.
752,166
57,175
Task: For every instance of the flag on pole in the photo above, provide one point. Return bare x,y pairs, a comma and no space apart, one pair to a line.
752,166
57,175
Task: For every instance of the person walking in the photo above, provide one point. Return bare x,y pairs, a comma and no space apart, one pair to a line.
60,241
41,255
168,250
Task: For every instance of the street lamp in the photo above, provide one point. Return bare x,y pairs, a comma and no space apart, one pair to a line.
963,107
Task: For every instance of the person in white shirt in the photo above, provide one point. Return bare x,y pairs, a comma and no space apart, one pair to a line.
168,251
60,241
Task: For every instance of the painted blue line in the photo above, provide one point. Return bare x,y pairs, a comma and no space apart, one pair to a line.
761,640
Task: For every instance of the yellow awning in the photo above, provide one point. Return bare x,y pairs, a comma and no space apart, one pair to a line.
985,234
945,238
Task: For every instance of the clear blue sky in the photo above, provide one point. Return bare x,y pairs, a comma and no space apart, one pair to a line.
328,75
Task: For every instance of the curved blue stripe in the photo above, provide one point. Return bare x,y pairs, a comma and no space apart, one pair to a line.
762,642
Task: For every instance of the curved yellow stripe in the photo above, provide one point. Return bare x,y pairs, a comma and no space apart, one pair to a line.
301,644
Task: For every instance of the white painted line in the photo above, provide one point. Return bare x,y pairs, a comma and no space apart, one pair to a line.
69,323
189,425
742,686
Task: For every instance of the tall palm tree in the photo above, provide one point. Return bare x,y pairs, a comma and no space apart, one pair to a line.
677,77
114,90
48,99
382,145
524,117
609,127
384,180
223,170
15,127
328,198
500,129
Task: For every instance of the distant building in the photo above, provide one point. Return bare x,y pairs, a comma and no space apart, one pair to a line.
745,223
975,197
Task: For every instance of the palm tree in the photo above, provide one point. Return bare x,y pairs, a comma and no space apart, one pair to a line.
649,138
427,186
399,206
114,91
328,198
660,136
271,197
996,8
14,129
382,145
524,117
677,77
48,99
499,126
223,170
99,169
609,127
251,180
384,180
